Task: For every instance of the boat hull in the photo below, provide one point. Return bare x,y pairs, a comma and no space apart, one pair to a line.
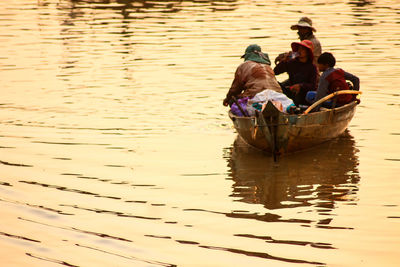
289,133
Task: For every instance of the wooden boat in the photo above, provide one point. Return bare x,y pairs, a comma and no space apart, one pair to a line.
278,133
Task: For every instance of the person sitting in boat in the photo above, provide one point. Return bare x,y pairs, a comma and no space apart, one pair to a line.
252,76
333,80
303,73
305,31
255,84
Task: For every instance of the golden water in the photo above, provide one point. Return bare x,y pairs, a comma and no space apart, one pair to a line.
115,149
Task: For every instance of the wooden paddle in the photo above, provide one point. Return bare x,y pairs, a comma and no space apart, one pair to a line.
322,100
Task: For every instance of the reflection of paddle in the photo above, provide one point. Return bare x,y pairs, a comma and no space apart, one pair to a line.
240,107
342,92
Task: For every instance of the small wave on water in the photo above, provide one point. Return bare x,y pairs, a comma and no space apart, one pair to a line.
115,148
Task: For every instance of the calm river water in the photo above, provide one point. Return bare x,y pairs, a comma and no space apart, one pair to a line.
115,149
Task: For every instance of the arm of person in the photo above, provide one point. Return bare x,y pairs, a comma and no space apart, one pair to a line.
353,79
283,57
282,67
317,49
236,87
322,89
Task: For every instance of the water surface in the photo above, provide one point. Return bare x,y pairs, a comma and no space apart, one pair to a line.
115,149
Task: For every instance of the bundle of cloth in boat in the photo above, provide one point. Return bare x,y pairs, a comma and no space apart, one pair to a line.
260,100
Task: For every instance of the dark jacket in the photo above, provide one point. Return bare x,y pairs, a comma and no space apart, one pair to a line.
305,74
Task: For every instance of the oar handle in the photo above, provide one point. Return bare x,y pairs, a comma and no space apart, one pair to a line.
322,100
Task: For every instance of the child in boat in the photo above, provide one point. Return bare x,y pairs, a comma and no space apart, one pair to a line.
333,80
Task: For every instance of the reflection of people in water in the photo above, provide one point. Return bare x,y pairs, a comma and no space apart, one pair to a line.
319,177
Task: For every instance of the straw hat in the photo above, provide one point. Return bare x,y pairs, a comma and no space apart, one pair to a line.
303,22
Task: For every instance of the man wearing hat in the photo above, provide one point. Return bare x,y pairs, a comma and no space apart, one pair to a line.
252,76
305,30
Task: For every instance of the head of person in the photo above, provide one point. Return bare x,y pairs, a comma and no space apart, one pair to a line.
304,27
253,53
326,60
305,50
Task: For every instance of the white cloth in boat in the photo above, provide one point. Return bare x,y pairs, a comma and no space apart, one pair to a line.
280,100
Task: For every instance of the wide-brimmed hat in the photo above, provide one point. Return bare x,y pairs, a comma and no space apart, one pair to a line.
305,43
253,53
303,22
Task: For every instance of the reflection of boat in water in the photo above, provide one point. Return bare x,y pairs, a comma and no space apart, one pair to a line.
317,177
301,188
278,133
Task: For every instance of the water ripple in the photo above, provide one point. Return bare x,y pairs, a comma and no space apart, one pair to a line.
114,136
